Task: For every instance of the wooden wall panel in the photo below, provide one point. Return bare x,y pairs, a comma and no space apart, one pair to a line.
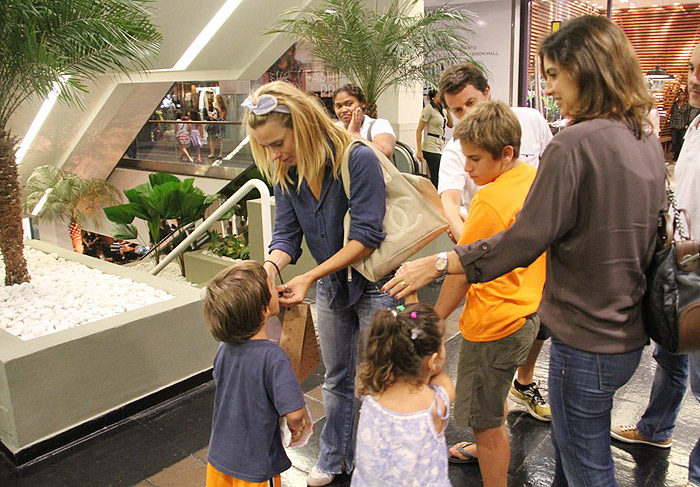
544,13
660,35
664,36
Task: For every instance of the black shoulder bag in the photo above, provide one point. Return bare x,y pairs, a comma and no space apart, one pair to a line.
671,302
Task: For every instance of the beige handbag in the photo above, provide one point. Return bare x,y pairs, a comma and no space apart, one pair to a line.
414,216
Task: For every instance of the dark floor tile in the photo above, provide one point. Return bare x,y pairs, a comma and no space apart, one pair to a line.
35,478
188,472
184,423
122,459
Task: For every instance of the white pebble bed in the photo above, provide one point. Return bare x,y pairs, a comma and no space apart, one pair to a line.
63,294
171,272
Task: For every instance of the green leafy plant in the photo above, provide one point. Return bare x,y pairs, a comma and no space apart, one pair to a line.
233,246
68,198
46,44
164,197
381,49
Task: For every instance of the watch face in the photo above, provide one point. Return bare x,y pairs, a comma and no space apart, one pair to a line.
441,262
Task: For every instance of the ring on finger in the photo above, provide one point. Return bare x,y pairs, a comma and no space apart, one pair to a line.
403,283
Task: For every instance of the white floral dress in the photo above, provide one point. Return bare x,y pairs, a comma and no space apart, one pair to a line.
401,449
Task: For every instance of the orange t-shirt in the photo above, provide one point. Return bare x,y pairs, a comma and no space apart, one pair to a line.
498,308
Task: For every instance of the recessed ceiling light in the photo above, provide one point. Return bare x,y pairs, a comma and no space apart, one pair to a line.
40,118
206,34
654,4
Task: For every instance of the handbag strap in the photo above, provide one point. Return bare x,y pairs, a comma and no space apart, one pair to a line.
387,172
388,169
678,214
369,129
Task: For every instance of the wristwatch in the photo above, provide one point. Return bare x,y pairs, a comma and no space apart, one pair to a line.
441,263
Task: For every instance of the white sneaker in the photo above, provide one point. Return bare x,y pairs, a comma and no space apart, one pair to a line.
318,477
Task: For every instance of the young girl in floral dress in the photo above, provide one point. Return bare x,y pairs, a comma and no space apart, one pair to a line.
406,399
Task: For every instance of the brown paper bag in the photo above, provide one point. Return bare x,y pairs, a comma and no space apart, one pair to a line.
298,339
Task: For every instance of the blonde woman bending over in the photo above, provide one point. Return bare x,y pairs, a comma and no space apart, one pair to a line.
299,149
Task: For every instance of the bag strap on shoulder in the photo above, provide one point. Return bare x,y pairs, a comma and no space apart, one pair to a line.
369,129
679,214
388,169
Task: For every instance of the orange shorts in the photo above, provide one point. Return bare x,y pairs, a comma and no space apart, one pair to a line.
219,479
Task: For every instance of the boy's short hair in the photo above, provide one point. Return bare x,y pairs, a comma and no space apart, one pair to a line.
455,78
491,125
235,300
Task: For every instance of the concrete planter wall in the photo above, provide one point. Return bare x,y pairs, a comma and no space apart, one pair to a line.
200,268
54,383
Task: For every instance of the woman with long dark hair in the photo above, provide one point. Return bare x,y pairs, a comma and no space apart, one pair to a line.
593,208
679,120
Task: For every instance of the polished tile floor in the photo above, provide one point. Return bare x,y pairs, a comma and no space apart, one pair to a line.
165,446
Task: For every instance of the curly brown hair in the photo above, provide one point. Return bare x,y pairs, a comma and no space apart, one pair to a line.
398,344
352,90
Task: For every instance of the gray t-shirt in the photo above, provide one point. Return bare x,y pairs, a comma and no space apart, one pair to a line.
255,385
593,207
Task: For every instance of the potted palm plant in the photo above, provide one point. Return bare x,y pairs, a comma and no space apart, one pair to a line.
380,49
45,44
68,198
162,199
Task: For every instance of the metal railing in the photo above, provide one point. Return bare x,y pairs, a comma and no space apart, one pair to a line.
216,216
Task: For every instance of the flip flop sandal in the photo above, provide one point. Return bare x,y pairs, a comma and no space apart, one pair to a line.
462,449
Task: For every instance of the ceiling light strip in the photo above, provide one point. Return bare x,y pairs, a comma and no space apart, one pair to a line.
39,119
206,35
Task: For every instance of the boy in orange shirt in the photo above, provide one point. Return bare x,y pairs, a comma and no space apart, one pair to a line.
498,324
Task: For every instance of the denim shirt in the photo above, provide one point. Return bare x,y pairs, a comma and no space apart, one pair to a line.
297,214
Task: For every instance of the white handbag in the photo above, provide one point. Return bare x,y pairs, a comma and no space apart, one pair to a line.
414,216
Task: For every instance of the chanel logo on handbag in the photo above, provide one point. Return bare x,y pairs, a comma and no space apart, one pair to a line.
413,218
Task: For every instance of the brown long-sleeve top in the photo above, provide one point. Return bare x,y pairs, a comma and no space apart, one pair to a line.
593,208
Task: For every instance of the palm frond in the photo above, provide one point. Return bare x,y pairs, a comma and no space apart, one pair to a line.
380,49
43,42
71,198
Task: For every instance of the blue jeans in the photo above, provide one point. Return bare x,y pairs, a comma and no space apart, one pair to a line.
667,391
581,389
340,335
